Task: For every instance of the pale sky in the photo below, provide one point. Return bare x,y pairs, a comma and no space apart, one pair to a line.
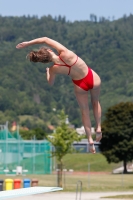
71,9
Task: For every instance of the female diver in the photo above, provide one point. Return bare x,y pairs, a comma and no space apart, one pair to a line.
84,79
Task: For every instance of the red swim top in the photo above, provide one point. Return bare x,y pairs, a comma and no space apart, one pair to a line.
85,83
65,64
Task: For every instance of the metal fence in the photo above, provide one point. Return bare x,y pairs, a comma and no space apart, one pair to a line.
32,155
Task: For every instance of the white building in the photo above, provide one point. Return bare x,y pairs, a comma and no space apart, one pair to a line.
81,130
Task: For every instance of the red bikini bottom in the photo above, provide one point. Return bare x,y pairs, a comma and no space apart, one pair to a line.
87,82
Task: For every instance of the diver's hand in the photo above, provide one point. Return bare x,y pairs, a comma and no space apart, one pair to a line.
47,74
47,69
22,45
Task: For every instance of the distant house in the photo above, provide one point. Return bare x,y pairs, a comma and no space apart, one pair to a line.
51,127
14,126
81,130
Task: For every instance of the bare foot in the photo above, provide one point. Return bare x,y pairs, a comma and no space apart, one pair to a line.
92,148
98,136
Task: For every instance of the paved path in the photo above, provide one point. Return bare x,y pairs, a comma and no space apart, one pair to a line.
71,196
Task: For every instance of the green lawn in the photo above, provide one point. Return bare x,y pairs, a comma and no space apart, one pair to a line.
120,197
91,182
95,182
80,161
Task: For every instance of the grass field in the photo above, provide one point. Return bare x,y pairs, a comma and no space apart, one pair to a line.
120,197
76,161
98,179
94,183
80,161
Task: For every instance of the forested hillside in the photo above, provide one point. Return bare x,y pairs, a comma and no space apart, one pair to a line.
26,97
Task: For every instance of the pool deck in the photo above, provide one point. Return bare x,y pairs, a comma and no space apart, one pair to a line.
71,196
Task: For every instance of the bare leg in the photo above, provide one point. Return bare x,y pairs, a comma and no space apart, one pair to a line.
97,111
96,107
82,98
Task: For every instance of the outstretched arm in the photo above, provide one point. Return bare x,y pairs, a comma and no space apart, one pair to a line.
54,44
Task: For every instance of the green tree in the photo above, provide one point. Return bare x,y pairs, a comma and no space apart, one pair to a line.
38,133
102,44
27,134
62,141
117,142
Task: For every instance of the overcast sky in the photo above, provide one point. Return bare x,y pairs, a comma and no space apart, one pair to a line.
72,9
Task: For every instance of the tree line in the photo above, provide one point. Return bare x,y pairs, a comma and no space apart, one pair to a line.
26,97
